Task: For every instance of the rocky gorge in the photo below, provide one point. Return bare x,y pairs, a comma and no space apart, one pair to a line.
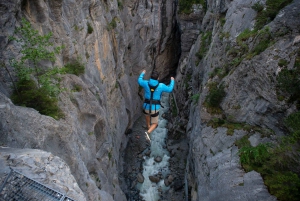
226,56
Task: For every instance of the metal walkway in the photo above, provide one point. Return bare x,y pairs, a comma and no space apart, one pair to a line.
18,187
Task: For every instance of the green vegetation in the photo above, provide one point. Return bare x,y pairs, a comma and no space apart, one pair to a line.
223,20
76,28
242,142
258,7
120,5
205,42
112,24
231,126
185,6
293,122
288,82
220,72
224,35
282,62
110,155
89,28
282,176
236,61
30,95
195,98
264,16
38,86
264,40
260,35
174,108
76,88
253,157
75,67
187,79
245,35
276,162
214,97
273,163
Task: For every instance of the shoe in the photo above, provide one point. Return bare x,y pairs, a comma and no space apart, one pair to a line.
147,136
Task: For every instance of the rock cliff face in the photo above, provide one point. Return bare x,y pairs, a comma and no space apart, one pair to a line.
214,170
42,167
116,41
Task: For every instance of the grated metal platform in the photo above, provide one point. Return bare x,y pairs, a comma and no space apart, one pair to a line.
18,187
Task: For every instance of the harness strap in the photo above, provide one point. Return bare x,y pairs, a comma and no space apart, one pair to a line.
156,102
152,90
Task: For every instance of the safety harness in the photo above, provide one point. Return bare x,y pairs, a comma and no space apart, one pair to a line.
151,101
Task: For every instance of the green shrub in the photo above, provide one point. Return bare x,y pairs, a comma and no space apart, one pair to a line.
89,28
297,62
245,35
253,158
293,121
284,185
205,42
236,61
215,96
195,98
221,72
264,40
112,24
30,95
76,88
174,108
231,126
282,62
75,67
224,35
223,20
120,4
260,47
243,142
287,80
185,6
233,52
37,86
267,15
258,7
276,162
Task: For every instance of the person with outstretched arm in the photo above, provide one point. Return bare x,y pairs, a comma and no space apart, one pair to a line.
152,93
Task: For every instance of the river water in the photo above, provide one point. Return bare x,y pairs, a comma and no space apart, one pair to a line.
151,191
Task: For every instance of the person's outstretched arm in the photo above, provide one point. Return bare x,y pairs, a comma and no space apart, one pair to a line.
141,78
169,88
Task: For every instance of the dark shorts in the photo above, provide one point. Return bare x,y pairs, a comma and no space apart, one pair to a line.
154,115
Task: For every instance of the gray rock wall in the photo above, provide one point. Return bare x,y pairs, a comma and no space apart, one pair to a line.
127,37
214,170
41,166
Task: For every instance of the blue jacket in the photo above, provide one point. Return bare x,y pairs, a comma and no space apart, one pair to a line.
157,93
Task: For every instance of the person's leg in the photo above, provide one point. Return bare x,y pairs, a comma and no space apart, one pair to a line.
147,121
154,123
152,127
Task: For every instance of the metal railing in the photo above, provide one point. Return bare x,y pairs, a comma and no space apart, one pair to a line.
18,187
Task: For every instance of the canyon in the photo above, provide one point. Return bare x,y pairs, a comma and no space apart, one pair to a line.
84,152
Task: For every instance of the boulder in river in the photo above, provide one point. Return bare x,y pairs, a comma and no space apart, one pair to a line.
140,178
158,159
154,179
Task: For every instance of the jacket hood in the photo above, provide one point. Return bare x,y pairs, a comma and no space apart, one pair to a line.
153,82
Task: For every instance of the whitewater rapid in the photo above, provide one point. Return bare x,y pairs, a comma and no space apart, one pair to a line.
151,191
